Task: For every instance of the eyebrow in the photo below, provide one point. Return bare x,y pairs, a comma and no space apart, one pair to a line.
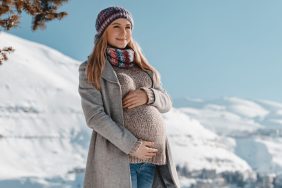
115,23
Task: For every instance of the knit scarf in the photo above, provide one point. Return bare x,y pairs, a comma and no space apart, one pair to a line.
123,58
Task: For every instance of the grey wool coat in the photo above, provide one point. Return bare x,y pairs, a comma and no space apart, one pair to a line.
108,160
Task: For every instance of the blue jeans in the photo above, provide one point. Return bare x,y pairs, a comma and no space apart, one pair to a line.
142,174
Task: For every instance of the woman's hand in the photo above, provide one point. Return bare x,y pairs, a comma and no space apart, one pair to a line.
134,98
145,150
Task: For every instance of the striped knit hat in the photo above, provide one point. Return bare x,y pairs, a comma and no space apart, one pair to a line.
108,15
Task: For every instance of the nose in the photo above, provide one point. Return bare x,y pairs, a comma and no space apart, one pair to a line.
123,32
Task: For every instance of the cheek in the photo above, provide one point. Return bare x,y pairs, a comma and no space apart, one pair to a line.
112,33
111,36
129,34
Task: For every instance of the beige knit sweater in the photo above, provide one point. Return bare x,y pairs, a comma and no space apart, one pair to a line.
144,121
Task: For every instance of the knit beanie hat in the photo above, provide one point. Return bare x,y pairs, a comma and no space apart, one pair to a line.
108,15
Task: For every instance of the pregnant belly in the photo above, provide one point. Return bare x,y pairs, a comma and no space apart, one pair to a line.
146,123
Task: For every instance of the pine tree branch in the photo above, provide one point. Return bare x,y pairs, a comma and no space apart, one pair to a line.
41,11
4,52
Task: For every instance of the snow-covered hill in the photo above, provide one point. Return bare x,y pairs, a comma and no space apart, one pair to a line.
42,132
44,138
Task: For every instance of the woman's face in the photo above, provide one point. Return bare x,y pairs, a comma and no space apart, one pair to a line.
119,33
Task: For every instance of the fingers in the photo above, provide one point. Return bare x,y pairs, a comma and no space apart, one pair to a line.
134,98
129,95
150,155
148,143
131,103
147,151
150,149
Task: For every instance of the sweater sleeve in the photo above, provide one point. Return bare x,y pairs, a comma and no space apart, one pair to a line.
150,95
162,100
97,119
158,97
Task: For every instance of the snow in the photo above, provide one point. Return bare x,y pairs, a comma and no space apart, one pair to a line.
44,139
246,108
199,147
42,130
253,125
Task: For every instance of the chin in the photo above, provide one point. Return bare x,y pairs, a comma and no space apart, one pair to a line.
119,45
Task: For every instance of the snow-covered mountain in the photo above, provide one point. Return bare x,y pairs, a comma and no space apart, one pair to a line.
250,129
44,138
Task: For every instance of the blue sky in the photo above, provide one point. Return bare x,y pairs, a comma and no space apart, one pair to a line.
203,49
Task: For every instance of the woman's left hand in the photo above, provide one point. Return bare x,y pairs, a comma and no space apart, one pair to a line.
134,98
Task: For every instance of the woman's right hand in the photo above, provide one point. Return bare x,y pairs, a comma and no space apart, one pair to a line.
145,150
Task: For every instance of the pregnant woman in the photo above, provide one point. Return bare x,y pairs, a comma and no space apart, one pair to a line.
122,99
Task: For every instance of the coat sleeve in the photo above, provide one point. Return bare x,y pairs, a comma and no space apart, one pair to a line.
98,120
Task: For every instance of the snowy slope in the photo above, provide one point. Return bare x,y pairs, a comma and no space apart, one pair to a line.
41,125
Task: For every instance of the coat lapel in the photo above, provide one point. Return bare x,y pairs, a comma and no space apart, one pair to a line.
109,74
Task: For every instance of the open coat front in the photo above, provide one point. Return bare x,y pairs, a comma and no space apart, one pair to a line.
108,161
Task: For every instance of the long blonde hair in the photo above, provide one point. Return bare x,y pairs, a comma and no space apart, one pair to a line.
97,60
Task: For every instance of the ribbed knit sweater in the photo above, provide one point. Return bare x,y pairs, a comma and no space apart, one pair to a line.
144,121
